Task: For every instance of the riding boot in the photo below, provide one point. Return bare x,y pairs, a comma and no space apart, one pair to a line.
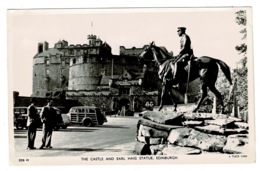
174,77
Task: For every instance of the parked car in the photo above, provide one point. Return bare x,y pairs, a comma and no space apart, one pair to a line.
87,115
62,120
20,117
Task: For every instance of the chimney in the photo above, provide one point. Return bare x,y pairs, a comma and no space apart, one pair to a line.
40,47
46,46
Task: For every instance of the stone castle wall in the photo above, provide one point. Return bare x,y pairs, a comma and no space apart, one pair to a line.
51,76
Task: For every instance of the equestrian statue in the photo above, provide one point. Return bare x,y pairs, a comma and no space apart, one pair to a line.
184,69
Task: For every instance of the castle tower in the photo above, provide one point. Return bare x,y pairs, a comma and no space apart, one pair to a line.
92,39
84,74
50,70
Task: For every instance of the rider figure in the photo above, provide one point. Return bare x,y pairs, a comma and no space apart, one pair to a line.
186,51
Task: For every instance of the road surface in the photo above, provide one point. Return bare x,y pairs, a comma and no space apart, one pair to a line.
116,137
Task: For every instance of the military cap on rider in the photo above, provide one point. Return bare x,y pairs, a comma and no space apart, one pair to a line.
183,29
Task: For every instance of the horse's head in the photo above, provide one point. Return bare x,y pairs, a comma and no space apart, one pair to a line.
147,52
154,53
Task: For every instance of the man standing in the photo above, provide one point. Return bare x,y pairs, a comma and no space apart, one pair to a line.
186,51
48,117
32,114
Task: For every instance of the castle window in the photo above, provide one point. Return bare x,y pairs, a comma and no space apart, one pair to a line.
74,60
47,62
125,91
71,52
47,72
78,52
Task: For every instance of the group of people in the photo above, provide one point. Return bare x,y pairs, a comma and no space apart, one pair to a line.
48,118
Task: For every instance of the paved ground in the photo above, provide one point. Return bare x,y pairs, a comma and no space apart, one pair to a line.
116,137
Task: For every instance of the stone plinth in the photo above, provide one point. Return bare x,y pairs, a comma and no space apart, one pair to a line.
171,133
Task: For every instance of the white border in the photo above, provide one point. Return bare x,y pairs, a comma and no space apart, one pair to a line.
117,3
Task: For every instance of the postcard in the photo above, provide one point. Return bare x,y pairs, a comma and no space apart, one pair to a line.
131,86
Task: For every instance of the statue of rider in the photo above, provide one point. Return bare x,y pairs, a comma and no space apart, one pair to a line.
186,51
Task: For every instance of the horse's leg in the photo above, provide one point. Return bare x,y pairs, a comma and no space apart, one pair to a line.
162,96
218,95
204,94
171,96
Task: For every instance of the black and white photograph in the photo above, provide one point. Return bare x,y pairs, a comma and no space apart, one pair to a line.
130,85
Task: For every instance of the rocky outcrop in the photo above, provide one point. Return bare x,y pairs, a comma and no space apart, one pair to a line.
182,133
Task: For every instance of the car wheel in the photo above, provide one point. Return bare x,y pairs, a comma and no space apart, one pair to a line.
19,126
87,122
101,123
56,128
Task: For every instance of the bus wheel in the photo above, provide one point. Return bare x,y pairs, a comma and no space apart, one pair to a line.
87,122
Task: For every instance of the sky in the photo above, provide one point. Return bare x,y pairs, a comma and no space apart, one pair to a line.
213,33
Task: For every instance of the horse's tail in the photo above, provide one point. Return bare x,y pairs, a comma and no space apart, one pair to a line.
225,68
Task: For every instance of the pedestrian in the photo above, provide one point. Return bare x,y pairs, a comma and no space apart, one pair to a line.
48,117
32,119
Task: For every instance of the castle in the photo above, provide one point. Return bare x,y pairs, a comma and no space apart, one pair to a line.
91,74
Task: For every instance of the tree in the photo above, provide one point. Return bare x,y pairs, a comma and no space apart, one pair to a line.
242,70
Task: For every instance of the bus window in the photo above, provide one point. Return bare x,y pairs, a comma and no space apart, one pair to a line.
91,111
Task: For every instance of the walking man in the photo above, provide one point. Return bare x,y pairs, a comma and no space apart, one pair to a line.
33,116
48,117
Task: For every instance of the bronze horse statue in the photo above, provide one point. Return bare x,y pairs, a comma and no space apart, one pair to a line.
205,68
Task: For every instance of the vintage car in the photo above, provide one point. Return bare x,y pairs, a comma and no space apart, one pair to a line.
62,120
87,115
20,118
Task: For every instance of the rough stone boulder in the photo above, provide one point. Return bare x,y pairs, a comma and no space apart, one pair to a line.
168,118
242,125
150,140
197,116
147,131
206,142
188,137
142,149
224,123
179,136
157,149
155,125
237,144
176,150
172,133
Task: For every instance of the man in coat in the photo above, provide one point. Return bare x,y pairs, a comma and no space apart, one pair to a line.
33,116
48,117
